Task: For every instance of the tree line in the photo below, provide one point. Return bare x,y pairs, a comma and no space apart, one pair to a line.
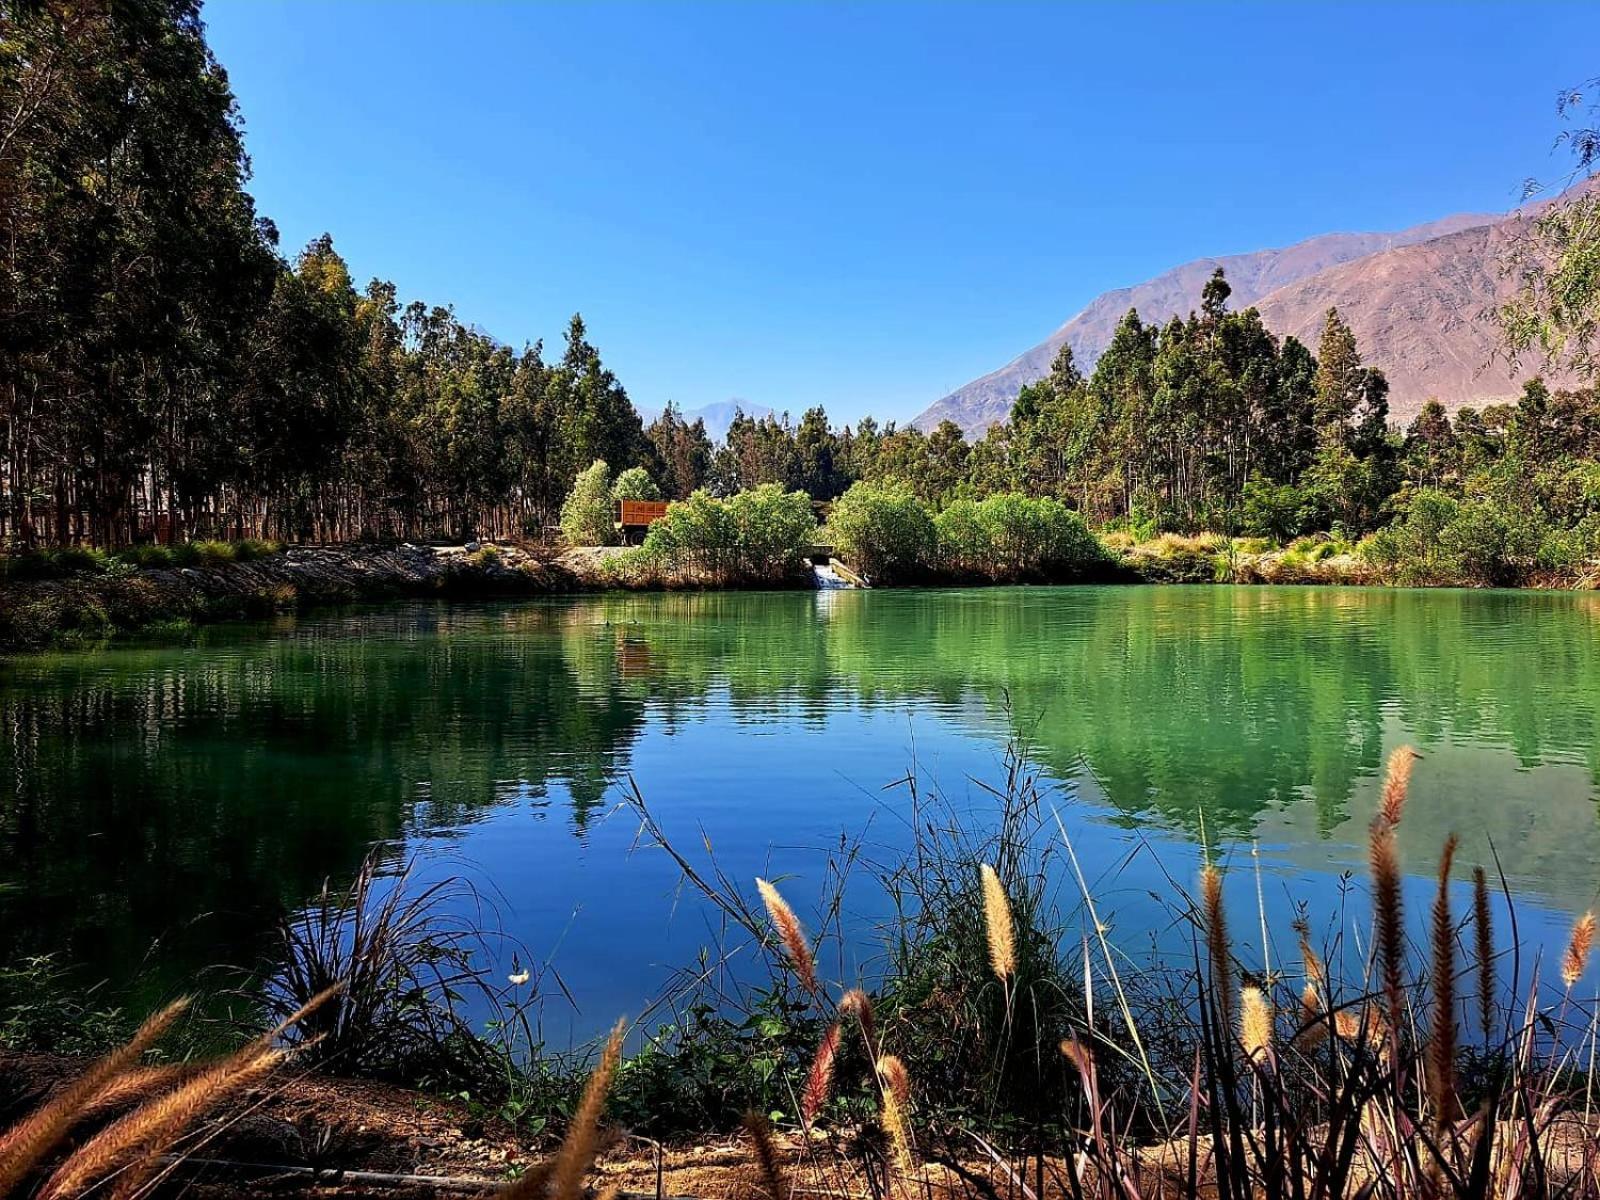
167,373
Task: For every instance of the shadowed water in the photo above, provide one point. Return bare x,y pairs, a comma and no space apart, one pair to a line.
161,806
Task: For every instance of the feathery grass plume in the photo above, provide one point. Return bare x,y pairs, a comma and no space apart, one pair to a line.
1316,970
819,1080
1442,1033
858,1005
576,1156
131,1181
999,925
766,1154
1396,783
27,1142
1217,944
1385,862
1077,1054
150,1129
1483,936
1316,1029
1576,960
1255,1022
1349,1025
138,1084
895,1090
794,937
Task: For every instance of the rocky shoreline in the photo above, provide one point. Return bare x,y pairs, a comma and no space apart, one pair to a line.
86,607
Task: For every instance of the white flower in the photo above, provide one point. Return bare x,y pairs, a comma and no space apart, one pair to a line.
519,978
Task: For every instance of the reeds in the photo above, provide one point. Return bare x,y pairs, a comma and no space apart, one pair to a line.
577,1151
819,1080
1384,859
132,1144
1218,947
1483,950
26,1144
1442,1031
766,1154
998,925
1255,1023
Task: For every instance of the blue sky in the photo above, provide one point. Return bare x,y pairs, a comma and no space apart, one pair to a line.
865,205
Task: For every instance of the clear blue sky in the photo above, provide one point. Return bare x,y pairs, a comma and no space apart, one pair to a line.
863,206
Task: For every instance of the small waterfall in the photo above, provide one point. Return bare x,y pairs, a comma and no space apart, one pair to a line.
827,578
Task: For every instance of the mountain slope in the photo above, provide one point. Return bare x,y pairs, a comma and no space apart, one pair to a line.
1419,313
1253,277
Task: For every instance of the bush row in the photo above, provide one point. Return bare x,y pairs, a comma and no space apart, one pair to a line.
1482,542
755,537
887,533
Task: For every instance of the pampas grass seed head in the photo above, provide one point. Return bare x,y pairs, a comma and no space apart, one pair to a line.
1255,1022
998,923
895,1089
1396,783
819,1081
1576,960
793,936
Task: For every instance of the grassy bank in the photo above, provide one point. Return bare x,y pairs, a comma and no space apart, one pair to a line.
993,1046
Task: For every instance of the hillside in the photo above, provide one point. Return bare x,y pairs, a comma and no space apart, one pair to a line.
1414,297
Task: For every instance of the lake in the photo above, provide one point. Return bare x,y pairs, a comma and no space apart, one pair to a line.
161,806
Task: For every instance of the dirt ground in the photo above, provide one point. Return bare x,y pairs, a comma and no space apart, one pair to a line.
349,1130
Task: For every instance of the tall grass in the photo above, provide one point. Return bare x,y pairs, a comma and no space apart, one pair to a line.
123,1158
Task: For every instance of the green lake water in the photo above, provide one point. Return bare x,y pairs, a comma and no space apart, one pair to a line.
161,806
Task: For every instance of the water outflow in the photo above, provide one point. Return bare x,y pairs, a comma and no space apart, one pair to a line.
827,578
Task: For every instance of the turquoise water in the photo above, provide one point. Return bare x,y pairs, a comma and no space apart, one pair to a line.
162,806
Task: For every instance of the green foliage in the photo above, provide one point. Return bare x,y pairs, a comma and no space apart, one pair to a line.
635,484
705,1072
587,515
1439,539
1010,537
757,536
44,1010
884,531
1280,511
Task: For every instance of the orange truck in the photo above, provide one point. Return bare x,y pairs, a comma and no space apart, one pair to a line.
636,516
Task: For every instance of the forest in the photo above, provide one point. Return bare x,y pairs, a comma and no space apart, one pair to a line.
170,374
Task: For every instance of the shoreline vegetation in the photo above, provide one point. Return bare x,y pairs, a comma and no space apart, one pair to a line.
76,597
997,1044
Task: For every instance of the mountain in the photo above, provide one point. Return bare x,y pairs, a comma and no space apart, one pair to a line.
1415,299
1419,313
717,416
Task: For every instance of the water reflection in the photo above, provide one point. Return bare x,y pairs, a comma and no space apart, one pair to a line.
188,795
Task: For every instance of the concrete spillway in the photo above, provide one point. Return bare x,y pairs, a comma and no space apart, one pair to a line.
827,579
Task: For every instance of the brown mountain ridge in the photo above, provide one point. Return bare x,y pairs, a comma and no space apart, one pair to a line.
1416,299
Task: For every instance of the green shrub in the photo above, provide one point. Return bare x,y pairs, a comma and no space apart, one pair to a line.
965,547
586,516
1280,511
635,484
757,536
1036,536
884,531
148,558
1477,543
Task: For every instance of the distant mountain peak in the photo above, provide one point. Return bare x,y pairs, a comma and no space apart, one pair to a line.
718,415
